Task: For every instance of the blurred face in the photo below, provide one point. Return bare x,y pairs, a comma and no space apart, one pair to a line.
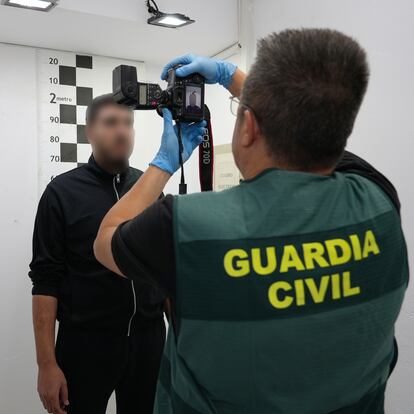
112,133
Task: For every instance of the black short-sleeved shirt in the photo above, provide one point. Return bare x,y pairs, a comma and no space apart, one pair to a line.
144,245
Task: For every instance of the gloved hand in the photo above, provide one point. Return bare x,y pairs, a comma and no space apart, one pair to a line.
167,158
214,71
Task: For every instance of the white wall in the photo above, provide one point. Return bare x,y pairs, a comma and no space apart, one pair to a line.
384,130
19,172
18,169
383,135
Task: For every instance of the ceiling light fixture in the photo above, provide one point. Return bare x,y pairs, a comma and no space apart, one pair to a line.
40,5
172,20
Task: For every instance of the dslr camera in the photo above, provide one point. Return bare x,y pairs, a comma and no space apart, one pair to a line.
184,96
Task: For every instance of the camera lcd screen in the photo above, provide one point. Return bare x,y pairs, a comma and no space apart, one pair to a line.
142,94
193,100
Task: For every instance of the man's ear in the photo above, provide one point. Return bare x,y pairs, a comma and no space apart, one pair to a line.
250,129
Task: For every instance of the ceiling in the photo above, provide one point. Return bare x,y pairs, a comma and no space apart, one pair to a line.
118,28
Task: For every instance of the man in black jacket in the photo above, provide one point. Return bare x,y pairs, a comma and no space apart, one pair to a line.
111,330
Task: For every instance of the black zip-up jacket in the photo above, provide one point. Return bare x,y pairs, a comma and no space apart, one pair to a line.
64,266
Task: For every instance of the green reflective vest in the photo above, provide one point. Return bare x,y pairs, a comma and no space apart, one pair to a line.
288,288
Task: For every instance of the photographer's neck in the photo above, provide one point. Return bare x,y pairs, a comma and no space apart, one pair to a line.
255,168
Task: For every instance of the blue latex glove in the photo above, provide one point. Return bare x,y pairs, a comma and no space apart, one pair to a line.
214,71
167,158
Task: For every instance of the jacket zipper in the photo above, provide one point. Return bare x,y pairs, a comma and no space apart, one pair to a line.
117,180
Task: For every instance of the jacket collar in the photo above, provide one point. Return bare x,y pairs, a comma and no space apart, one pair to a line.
97,170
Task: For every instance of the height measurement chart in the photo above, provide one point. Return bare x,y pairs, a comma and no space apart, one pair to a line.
67,83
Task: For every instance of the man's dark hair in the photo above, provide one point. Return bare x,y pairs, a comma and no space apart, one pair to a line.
306,87
98,104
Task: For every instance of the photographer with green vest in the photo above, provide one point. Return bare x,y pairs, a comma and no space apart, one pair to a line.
285,289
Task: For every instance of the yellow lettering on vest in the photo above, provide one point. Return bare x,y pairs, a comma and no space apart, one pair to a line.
290,259
336,287
318,294
274,298
300,292
356,246
236,263
270,258
336,258
313,252
346,285
370,244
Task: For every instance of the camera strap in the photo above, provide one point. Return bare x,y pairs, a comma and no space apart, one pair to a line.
182,187
206,155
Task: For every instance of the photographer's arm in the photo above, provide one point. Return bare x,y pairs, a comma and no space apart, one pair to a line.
214,71
144,193
149,187
237,83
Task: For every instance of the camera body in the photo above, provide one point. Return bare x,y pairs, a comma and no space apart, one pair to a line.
184,96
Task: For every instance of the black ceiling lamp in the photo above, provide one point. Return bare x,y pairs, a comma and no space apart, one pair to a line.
172,20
